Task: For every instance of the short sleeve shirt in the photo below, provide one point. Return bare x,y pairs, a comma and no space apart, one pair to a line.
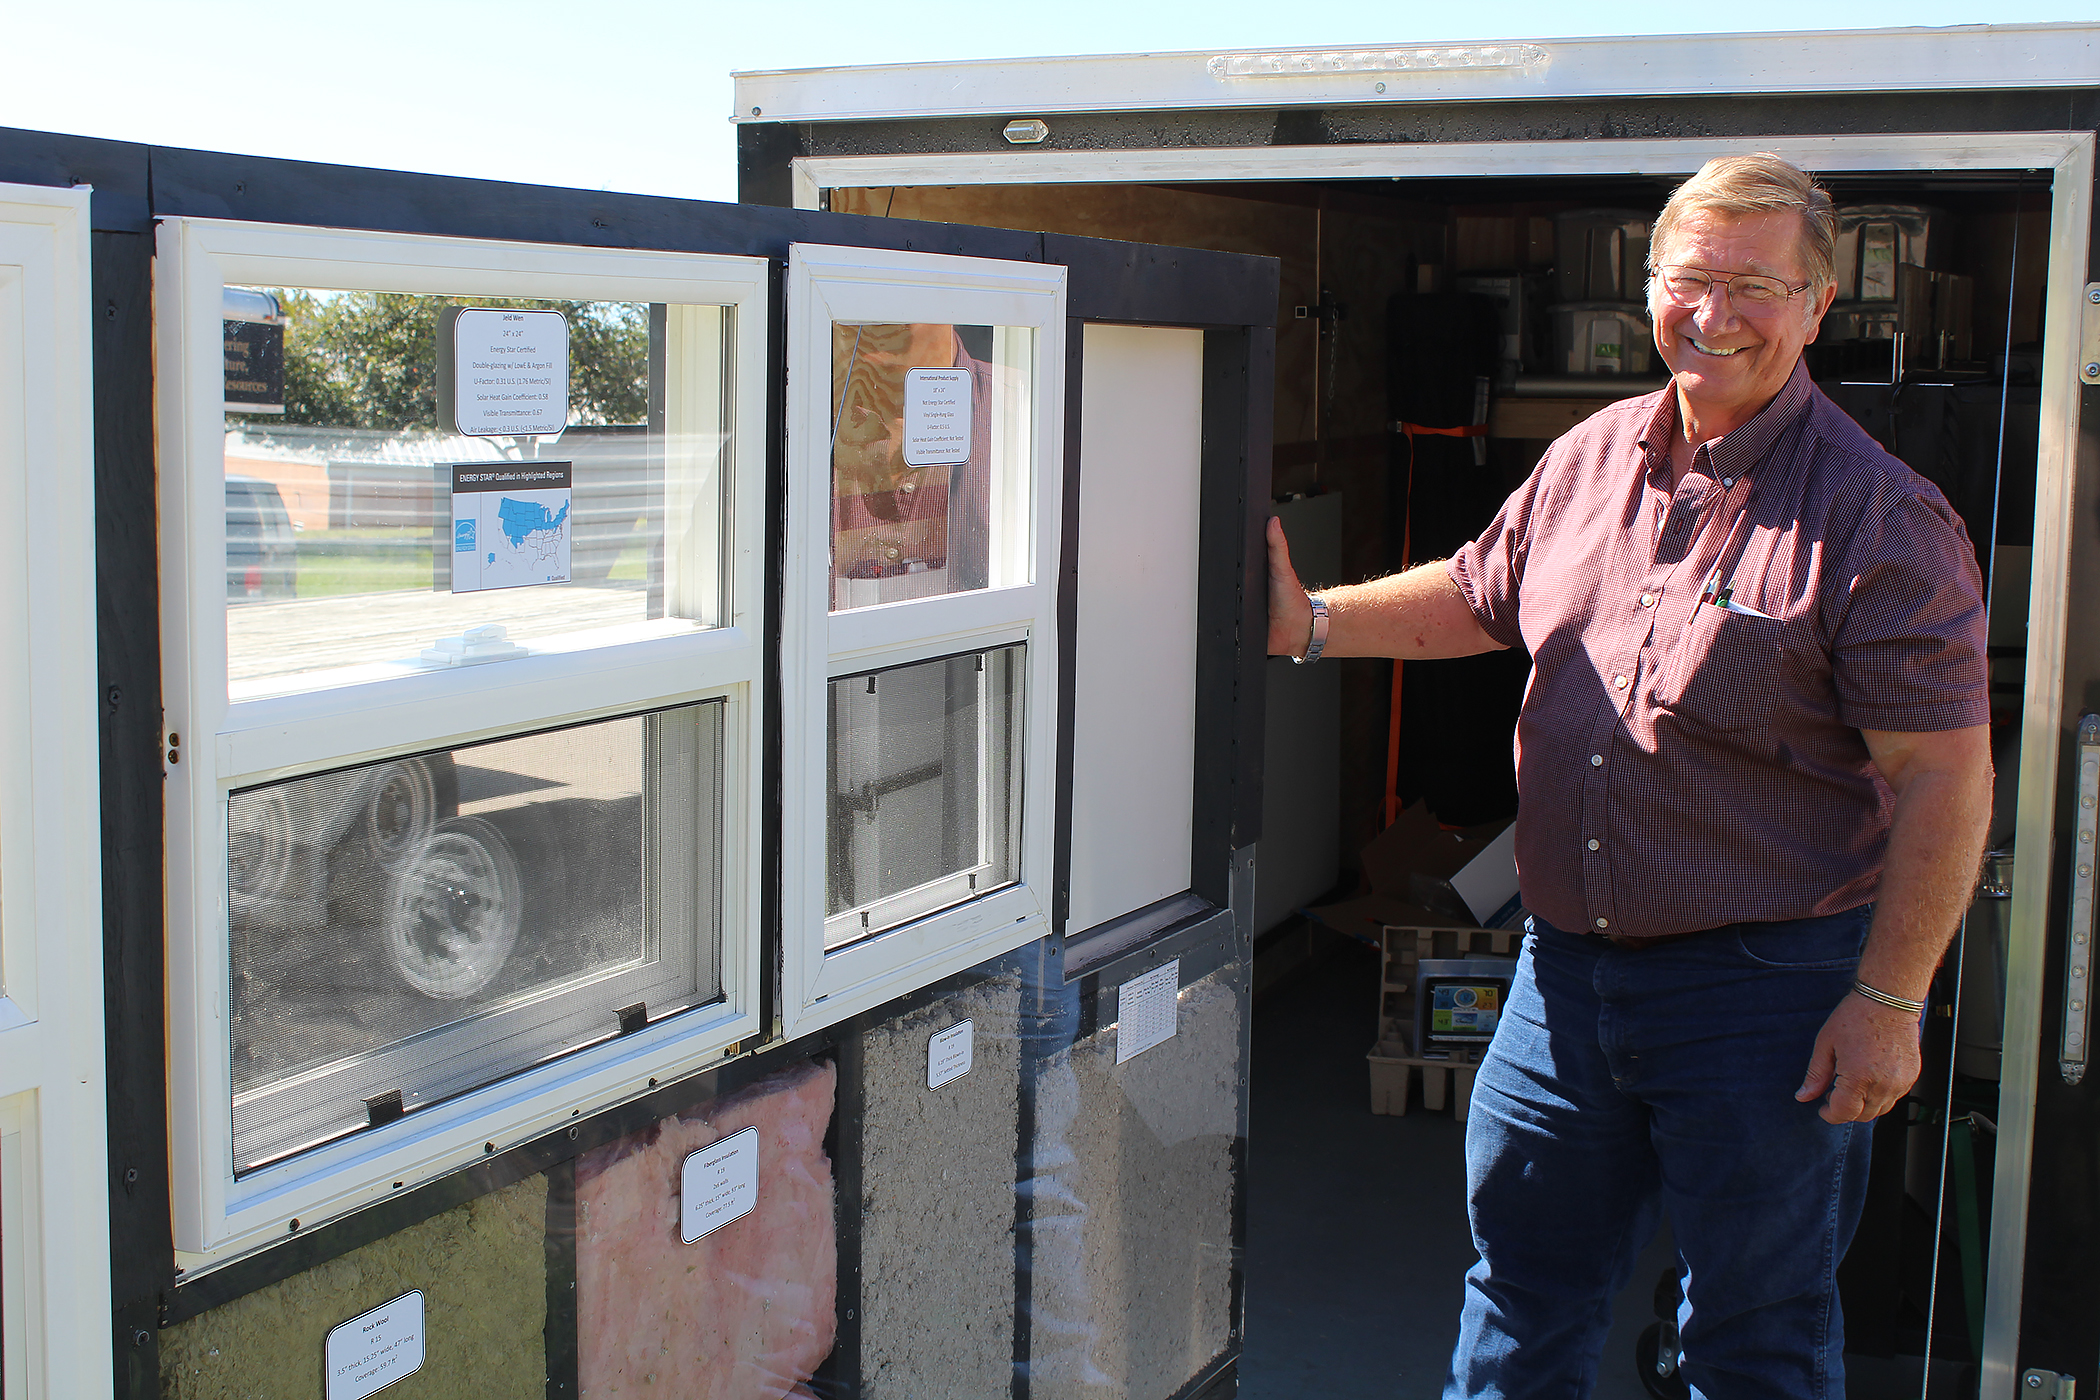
1688,753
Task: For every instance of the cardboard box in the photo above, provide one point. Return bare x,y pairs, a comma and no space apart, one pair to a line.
1423,875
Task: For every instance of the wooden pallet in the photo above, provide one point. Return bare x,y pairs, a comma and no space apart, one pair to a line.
1392,1060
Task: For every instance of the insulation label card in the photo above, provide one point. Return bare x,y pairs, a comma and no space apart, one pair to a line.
1146,1010
948,1054
510,524
936,417
510,373
367,1354
719,1183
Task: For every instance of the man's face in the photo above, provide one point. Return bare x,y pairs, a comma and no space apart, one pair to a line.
1728,364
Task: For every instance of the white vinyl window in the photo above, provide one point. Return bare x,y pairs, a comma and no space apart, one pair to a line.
925,407
54,1104
462,579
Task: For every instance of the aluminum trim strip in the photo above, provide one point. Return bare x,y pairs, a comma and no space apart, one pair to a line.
1384,161
1685,65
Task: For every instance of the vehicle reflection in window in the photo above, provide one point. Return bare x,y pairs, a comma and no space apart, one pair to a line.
426,924
340,507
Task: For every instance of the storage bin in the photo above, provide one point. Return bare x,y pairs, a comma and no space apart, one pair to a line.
1601,254
1601,337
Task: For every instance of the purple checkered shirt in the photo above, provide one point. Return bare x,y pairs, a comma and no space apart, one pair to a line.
1689,753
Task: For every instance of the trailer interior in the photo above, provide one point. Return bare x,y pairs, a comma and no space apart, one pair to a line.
1514,303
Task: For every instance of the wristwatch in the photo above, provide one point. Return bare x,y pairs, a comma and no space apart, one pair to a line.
1318,641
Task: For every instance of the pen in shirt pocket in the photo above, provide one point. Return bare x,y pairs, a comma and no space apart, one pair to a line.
1722,596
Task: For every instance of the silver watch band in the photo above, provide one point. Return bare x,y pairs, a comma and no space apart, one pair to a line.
1318,641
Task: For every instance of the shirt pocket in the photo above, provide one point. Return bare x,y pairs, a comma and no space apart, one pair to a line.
1728,672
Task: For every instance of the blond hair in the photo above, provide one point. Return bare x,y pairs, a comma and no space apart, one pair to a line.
1744,186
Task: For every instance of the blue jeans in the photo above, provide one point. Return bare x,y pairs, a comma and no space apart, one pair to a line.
1627,1083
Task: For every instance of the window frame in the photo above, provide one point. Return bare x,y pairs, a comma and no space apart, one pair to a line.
825,284
225,745
54,1097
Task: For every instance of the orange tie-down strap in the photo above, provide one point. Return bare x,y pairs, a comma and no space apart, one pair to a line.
1417,430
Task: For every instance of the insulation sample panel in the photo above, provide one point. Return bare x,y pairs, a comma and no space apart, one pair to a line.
749,1310
1133,1203
937,1208
482,1271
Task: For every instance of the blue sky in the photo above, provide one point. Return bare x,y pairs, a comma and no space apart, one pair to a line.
635,94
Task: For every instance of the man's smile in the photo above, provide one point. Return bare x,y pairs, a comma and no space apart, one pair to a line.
1716,351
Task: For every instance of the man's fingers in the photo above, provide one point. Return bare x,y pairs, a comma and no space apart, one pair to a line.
1290,615
1280,555
1822,1066
1848,1104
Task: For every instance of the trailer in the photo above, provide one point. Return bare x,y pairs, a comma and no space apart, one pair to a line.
1486,205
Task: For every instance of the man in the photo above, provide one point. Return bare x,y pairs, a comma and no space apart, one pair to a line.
1753,769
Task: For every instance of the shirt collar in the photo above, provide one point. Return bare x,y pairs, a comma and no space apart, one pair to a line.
1735,454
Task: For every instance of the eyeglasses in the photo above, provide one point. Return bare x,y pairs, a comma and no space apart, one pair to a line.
1747,291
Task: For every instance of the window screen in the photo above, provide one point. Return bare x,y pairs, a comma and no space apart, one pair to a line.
930,462
398,474
924,789
424,925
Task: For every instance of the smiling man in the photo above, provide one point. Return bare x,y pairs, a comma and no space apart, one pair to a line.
1753,768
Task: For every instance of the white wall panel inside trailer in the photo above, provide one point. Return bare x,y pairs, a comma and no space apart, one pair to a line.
1134,681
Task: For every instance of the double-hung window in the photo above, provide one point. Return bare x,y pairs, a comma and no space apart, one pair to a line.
918,674
463,569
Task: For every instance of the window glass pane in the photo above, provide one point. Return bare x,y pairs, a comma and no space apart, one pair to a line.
375,508
427,924
924,796
930,460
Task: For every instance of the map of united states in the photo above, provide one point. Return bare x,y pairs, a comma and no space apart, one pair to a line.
523,518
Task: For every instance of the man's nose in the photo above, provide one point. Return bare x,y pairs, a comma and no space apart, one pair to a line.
1714,312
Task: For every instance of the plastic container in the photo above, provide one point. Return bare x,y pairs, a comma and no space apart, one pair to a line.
1601,337
1601,254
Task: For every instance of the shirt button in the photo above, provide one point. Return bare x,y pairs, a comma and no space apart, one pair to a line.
1604,923
1596,760
1728,481
1647,600
1593,843
1618,682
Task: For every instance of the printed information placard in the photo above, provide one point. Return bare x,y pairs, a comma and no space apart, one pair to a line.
510,373
949,1054
510,524
936,417
718,1184
367,1354
1147,1010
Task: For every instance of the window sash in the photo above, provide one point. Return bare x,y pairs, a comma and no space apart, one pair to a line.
935,936
224,745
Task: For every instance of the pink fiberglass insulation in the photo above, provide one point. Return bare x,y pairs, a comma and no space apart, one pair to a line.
746,1312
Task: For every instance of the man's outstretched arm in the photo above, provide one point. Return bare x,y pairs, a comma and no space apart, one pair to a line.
1418,615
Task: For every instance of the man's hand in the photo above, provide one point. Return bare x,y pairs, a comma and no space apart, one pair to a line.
1290,614
1418,615
1866,1057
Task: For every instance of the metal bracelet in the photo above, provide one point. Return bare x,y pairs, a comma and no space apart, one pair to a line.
1915,1008
1317,642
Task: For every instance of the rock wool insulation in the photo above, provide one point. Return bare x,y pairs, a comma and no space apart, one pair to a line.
746,1312
1132,1224
483,1271
937,1206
